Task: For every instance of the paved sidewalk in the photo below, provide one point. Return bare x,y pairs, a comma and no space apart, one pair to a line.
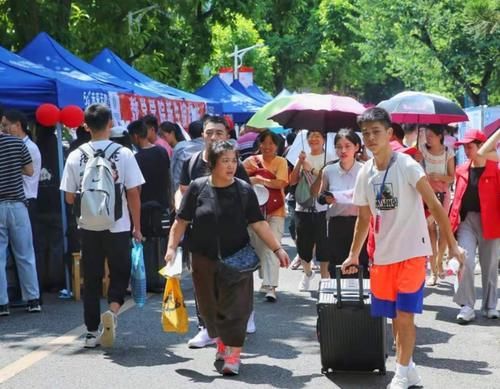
284,353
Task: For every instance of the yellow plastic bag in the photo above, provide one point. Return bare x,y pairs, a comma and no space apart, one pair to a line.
174,317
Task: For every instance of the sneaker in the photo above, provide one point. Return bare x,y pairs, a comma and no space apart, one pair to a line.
466,315
271,296
109,324
398,382
251,324
305,282
413,377
221,350
232,361
201,339
91,340
264,289
489,313
33,306
432,281
4,310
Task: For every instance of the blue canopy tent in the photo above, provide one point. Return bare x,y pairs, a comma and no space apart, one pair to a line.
25,85
259,92
233,103
108,61
46,51
236,84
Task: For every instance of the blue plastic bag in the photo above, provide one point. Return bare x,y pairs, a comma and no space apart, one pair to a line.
138,275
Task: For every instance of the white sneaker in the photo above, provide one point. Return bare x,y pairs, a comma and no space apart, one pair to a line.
271,296
201,339
466,315
398,382
251,324
264,289
490,313
413,377
305,282
109,324
91,339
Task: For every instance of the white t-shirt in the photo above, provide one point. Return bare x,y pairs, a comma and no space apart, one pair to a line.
129,176
30,183
317,162
403,230
338,180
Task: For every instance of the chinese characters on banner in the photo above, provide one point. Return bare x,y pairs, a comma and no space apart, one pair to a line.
133,107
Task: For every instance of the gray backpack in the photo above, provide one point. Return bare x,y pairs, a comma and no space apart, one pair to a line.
99,195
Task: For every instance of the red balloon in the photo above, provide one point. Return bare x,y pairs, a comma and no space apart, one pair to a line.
47,115
72,116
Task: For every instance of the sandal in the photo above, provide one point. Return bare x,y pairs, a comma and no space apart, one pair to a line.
296,263
432,281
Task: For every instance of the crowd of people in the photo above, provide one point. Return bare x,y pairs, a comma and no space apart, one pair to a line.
388,198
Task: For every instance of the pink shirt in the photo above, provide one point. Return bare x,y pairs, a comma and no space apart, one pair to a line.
165,145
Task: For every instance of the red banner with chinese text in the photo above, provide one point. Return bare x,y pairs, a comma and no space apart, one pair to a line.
133,107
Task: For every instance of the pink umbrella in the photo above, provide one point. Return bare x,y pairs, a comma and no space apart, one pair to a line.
324,112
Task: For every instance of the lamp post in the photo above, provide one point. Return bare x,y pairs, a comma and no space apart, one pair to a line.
135,17
238,57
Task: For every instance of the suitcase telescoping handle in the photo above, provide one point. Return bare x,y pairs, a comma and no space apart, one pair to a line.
338,271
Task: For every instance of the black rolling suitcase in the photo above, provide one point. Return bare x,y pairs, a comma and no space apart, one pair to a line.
350,338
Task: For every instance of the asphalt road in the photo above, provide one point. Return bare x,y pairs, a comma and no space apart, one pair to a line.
45,350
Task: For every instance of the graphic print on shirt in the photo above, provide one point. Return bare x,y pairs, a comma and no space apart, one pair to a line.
387,201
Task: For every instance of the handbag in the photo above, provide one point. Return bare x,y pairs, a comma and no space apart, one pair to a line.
303,190
245,260
275,200
174,317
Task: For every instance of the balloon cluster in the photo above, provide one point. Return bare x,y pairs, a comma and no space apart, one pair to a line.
49,115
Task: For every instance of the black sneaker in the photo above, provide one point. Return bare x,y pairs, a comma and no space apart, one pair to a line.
4,310
33,306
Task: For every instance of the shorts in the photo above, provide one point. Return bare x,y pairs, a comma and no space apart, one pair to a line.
398,286
311,232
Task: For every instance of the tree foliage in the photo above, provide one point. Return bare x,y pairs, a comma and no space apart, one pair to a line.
371,49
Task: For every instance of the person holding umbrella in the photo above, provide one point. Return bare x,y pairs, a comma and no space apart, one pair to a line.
438,162
310,220
390,187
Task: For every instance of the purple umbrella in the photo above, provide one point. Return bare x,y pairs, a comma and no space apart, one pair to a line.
323,112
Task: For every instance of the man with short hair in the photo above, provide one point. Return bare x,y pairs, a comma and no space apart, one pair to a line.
16,124
15,228
215,128
151,123
390,187
112,243
183,150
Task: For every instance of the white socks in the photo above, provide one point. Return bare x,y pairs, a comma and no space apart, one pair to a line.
401,370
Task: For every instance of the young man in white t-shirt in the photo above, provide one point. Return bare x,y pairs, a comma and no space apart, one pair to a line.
113,243
390,188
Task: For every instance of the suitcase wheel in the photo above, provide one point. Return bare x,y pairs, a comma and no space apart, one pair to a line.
382,371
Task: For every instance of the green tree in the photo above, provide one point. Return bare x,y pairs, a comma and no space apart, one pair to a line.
447,46
241,32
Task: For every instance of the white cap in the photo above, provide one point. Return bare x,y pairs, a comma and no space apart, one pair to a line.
118,132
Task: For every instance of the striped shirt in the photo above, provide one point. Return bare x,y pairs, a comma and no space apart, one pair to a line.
14,155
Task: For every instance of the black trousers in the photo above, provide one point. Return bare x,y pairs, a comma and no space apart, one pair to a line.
311,232
225,302
340,234
97,245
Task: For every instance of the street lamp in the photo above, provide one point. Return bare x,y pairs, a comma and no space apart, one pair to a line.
238,57
135,17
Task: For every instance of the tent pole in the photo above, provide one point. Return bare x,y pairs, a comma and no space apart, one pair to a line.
64,222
